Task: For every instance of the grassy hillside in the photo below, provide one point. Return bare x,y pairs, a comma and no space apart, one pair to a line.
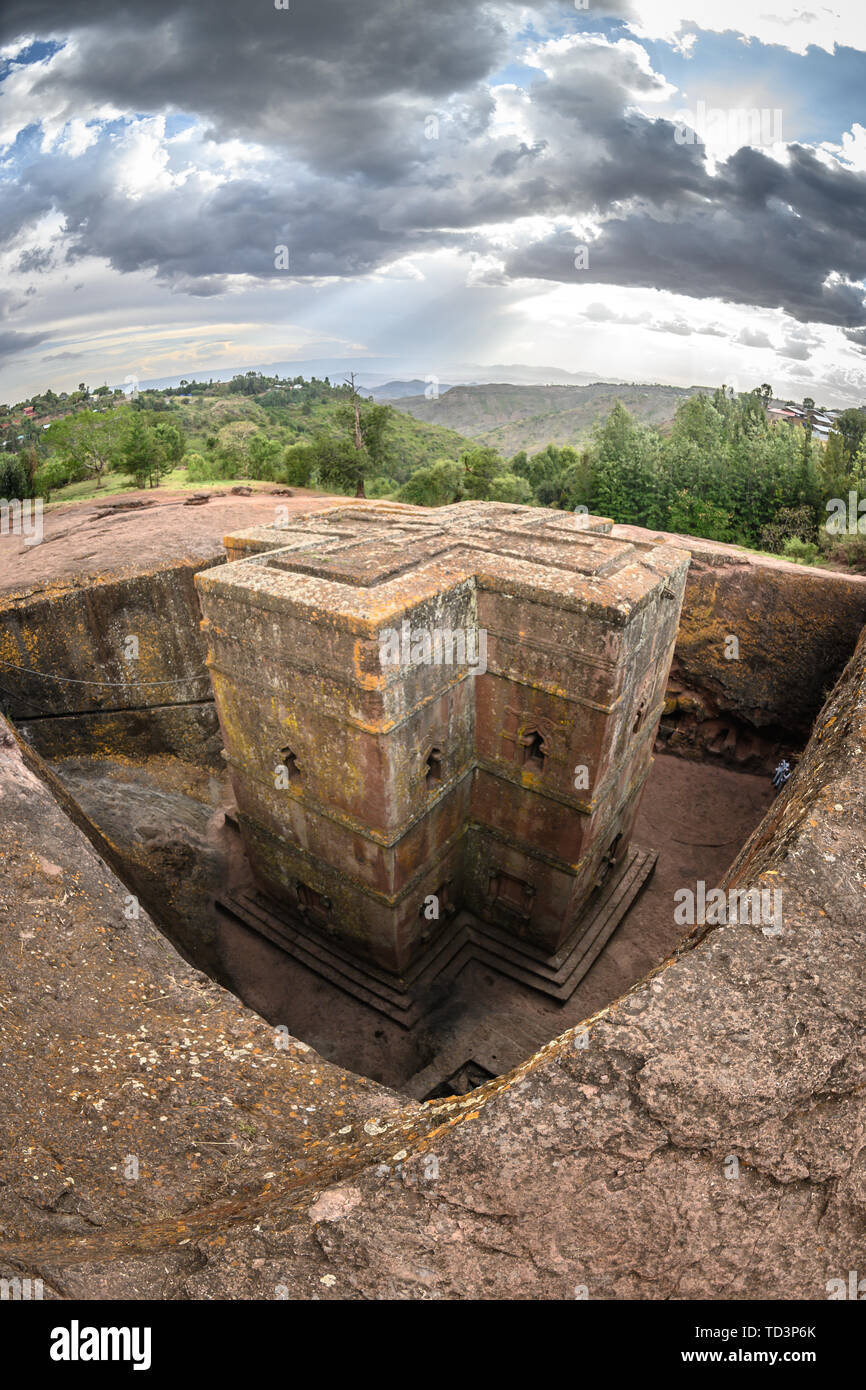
216,434
510,418
410,443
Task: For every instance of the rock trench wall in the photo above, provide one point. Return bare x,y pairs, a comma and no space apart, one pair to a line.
702,1137
796,627
98,701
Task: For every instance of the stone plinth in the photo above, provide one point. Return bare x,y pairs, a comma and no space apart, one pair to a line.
433,710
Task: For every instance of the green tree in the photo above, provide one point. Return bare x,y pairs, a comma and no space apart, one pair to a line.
435,486
139,448
546,472
89,441
626,476
14,478
480,466
833,466
198,470
508,487
341,465
53,474
265,455
233,446
857,475
694,516
366,424
170,441
299,463
851,425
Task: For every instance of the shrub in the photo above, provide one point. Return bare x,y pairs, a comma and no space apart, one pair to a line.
804,552
14,478
202,470
381,487
850,551
433,487
508,487
298,463
53,474
792,523
198,469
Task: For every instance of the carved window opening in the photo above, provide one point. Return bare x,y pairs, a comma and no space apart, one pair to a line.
607,861
290,763
534,750
315,907
511,893
638,718
445,908
434,768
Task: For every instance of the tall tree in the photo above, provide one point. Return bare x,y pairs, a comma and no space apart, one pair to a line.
367,424
851,424
90,441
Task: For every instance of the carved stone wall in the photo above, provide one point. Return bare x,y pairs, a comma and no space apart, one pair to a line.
458,704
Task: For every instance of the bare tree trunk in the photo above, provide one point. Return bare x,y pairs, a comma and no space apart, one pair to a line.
359,438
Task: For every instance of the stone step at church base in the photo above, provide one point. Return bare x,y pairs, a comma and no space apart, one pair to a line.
465,938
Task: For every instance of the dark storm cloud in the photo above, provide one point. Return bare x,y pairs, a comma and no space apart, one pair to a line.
339,95
195,236
789,237
222,53
327,79
11,343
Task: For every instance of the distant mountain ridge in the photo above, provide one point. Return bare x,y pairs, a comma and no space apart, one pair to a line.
371,373
395,390
510,417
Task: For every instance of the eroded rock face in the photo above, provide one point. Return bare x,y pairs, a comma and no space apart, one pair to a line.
108,571
60,616
131,1086
760,645
605,1165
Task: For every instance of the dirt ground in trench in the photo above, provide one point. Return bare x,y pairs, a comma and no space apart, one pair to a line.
168,817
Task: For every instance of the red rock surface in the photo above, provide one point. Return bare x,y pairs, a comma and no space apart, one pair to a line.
603,1165
139,528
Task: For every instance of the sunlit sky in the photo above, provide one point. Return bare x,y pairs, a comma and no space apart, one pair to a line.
457,186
